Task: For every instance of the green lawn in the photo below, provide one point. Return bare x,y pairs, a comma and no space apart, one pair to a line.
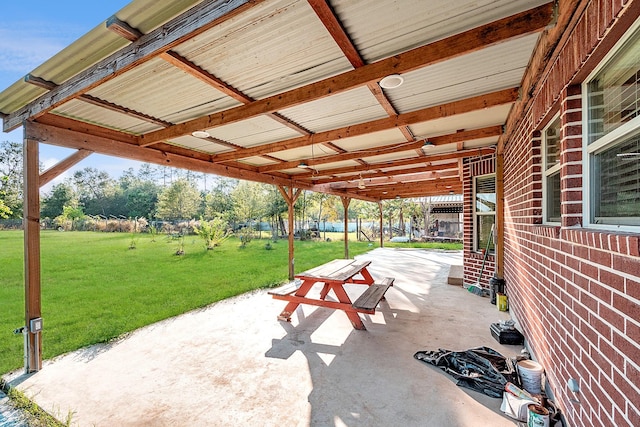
94,288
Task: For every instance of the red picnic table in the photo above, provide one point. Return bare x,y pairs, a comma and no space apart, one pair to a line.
334,275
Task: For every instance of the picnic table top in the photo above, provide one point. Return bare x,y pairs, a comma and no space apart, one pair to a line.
336,270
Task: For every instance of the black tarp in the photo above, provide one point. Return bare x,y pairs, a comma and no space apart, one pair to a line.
481,369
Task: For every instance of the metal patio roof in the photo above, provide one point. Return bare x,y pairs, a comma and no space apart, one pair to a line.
279,84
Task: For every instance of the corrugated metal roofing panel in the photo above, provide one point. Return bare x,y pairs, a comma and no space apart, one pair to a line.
389,28
465,76
473,120
335,165
372,140
392,156
84,111
308,152
188,98
482,142
343,109
257,161
199,144
97,44
255,131
294,49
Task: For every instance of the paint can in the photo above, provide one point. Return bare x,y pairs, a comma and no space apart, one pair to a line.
538,416
502,302
530,375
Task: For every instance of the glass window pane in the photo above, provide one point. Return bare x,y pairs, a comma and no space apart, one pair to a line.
553,197
616,184
614,93
486,194
483,231
552,144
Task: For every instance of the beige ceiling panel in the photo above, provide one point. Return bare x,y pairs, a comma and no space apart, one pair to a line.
257,161
482,142
336,165
275,46
390,157
484,71
90,113
372,140
255,131
188,97
199,144
343,109
474,120
389,28
307,152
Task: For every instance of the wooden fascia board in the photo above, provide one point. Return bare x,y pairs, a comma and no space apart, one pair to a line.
475,103
103,145
194,21
520,24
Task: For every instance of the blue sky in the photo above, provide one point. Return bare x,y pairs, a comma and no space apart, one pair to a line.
32,32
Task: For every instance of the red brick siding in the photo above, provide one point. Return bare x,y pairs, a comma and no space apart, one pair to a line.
575,291
473,259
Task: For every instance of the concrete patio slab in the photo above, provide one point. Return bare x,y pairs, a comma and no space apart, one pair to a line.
233,363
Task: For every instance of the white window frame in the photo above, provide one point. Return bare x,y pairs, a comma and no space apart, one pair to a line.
547,173
626,130
476,213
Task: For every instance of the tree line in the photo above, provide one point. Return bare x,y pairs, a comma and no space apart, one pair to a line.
160,193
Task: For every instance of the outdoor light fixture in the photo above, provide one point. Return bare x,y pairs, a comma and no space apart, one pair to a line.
303,165
361,183
428,145
200,134
392,81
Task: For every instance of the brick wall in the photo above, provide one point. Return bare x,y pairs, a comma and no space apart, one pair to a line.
473,259
574,291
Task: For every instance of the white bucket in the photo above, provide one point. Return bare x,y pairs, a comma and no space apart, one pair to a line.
530,375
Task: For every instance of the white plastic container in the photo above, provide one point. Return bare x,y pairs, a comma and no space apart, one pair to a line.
530,375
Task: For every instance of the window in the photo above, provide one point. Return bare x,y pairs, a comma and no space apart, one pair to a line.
551,166
485,211
613,140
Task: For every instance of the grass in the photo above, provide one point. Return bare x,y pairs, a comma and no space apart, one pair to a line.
94,288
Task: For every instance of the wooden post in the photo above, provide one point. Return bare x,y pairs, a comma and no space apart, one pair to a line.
31,223
345,203
381,225
499,229
290,196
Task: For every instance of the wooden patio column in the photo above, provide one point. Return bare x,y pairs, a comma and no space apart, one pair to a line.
31,224
345,203
290,196
499,229
381,224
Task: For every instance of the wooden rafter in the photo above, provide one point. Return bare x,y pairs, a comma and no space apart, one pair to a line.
439,111
520,24
337,181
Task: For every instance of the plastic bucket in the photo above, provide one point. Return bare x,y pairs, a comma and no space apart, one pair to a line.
530,375
538,416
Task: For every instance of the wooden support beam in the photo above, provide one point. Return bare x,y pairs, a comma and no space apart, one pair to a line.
31,223
189,24
51,173
111,147
123,29
481,37
493,99
290,196
345,204
343,180
381,234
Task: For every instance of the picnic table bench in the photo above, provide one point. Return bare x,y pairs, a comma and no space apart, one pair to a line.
334,275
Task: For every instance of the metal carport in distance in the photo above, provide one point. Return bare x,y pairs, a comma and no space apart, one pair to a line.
256,89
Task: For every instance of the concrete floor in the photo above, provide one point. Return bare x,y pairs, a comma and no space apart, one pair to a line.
233,363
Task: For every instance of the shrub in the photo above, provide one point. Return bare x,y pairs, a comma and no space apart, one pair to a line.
213,232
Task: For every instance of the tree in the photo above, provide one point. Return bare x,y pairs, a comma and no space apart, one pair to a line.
181,200
96,191
218,201
249,200
11,179
61,195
